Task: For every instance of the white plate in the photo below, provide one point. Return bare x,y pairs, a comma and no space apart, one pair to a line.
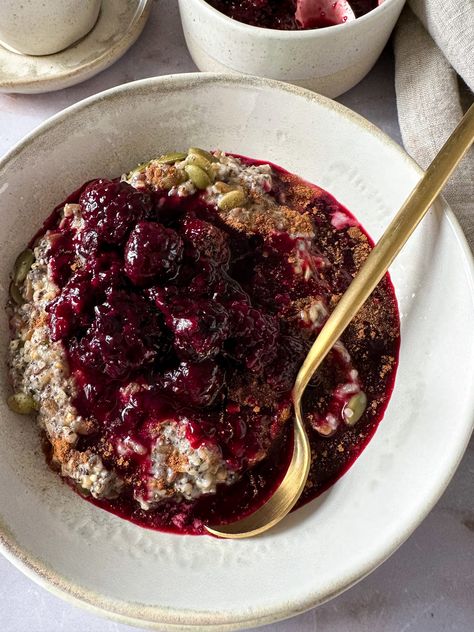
119,24
168,581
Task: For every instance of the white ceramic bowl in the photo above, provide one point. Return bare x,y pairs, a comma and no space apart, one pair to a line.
330,60
176,582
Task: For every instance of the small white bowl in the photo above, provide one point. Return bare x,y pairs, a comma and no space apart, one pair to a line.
171,582
329,60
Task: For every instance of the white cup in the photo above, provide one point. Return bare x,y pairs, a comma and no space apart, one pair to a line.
42,27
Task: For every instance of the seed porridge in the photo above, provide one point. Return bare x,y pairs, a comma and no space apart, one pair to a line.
158,322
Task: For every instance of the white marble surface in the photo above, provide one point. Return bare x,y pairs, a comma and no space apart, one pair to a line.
428,584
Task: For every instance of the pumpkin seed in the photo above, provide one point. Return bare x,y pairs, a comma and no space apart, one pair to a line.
138,169
232,199
21,403
199,161
22,266
171,158
354,409
198,176
197,151
15,294
83,490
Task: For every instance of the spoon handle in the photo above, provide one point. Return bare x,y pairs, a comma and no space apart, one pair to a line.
388,247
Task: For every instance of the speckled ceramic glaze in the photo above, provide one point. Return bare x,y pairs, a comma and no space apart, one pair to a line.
42,28
174,582
119,24
329,61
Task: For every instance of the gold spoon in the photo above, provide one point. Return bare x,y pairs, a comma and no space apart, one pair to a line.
376,265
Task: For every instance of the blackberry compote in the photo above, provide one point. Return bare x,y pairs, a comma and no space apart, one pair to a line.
161,319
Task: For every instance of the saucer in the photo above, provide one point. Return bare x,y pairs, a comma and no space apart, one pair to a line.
119,24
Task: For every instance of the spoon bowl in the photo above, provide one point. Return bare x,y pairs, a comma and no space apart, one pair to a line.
285,497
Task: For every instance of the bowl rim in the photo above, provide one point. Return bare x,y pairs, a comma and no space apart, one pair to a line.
277,34
159,618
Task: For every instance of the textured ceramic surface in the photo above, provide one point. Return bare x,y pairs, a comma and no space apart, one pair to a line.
42,28
119,24
329,61
172,582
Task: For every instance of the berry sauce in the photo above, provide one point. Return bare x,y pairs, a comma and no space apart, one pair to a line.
281,14
171,296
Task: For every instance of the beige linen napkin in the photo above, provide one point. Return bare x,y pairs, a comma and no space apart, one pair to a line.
434,43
